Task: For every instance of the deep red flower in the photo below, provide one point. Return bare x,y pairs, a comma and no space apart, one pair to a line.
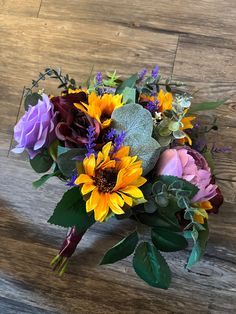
72,126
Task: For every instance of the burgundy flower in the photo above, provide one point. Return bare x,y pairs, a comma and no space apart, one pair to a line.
73,123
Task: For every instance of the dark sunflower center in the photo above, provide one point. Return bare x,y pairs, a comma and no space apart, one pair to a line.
105,180
105,116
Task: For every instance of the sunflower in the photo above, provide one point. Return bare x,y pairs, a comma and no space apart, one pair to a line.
164,100
111,181
186,124
101,107
202,211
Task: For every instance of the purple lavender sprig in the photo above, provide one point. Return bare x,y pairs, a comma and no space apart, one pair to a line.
152,106
117,139
91,139
142,74
98,78
155,72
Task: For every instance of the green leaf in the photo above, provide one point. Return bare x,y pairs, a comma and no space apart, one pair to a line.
208,105
38,183
168,241
185,185
151,266
138,125
66,163
157,220
32,100
199,247
42,162
129,95
70,211
53,149
130,82
121,250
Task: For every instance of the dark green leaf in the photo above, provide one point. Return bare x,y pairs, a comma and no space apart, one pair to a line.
32,99
38,183
167,240
130,82
121,250
66,163
42,162
157,220
199,247
70,211
151,266
206,106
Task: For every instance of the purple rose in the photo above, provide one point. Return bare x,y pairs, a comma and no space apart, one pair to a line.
191,166
35,130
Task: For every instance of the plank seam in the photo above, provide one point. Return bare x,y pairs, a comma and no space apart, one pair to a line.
40,5
176,50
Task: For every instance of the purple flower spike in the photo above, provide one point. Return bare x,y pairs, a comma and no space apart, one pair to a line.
71,183
152,106
155,72
36,129
91,138
118,141
142,74
99,78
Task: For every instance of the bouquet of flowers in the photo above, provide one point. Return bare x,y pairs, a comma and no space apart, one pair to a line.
129,148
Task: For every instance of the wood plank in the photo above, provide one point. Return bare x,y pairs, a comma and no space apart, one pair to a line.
20,7
207,17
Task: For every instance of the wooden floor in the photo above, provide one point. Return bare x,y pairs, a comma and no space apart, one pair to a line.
193,41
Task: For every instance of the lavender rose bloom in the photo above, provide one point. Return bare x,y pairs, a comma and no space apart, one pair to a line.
35,130
191,166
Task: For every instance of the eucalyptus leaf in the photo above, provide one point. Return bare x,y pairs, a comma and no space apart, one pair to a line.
138,125
129,95
151,266
199,247
121,250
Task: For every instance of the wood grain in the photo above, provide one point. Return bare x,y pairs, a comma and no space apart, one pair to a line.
20,7
207,17
192,41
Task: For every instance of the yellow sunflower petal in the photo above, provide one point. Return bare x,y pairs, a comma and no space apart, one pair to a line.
102,208
133,191
89,165
128,200
116,209
83,178
93,200
87,187
140,181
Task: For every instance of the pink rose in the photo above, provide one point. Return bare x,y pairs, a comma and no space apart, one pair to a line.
190,165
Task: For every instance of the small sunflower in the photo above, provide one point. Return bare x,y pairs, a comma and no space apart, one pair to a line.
186,124
112,180
101,107
202,208
164,100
